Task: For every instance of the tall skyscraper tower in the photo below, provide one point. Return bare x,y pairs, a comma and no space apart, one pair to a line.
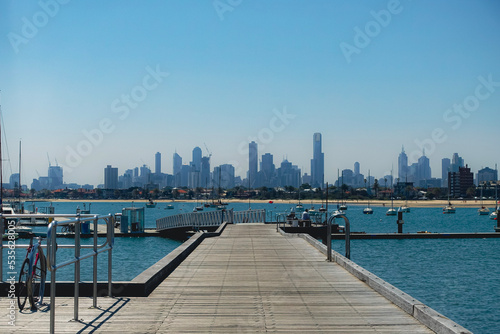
253,162
158,163
317,162
356,168
196,159
445,168
402,165
177,164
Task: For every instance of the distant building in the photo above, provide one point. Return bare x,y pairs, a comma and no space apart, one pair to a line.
356,168
402,165
486,175
456,163
205,172
110,177
267,171
317,163
459,182
14,181
253,162
177,169
289,175
55,177
158,163
224,176
445,168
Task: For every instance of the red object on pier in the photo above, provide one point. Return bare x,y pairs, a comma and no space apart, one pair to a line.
270,202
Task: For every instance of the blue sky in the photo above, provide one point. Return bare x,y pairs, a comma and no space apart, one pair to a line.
226,69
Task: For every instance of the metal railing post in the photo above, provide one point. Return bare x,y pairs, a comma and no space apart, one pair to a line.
94,303
329,239
52,280
77,266
2,229
347,234
110,236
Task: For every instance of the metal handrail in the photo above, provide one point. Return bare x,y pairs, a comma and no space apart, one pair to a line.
52,247
347,235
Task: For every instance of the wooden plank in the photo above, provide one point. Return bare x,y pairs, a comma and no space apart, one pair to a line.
248,279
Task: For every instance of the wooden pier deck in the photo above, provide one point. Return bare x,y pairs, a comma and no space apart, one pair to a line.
250,279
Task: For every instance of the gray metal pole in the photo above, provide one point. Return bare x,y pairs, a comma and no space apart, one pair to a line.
347,238
53,282
94,304
110,234
77,266
328,231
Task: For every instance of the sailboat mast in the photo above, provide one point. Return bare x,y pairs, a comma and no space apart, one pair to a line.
20,187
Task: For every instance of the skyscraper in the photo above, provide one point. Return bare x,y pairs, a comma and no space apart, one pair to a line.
317,162
456,162
445,168
402,165
267,169
196,159
158,163
110,177
252,164
55,177
356,168
177,165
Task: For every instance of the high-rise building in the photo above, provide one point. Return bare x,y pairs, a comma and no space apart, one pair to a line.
158,163
196,163
224,176
459,182
205,172
456,163
253,162
317,163
110,177
402,165
423,171
267,170
177,169
445,168
356,168
486,175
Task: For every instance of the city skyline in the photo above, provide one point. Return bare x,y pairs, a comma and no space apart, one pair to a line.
200,173
166,77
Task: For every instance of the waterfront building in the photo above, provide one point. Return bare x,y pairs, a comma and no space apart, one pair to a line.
317,163
459,182
356,168
253,162
110,177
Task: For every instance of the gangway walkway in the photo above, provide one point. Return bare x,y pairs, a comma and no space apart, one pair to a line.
250,278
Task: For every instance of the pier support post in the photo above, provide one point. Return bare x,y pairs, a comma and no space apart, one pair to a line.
400,222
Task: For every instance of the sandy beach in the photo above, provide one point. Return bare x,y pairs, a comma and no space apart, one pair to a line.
384,203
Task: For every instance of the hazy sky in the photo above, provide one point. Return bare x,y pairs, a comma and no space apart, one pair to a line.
94,83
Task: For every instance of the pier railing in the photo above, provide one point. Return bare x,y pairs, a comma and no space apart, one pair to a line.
52,246
210,218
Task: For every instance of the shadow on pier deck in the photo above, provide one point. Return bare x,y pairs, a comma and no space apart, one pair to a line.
249,279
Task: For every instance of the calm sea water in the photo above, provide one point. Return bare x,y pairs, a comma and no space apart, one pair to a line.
459,278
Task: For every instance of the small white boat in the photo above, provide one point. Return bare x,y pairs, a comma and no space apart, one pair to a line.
368,211
404,208
449,208
169,207
391,212
493,215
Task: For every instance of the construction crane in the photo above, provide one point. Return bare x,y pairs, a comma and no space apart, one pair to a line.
208,151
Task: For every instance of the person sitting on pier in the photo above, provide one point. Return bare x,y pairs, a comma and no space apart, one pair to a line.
306,219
